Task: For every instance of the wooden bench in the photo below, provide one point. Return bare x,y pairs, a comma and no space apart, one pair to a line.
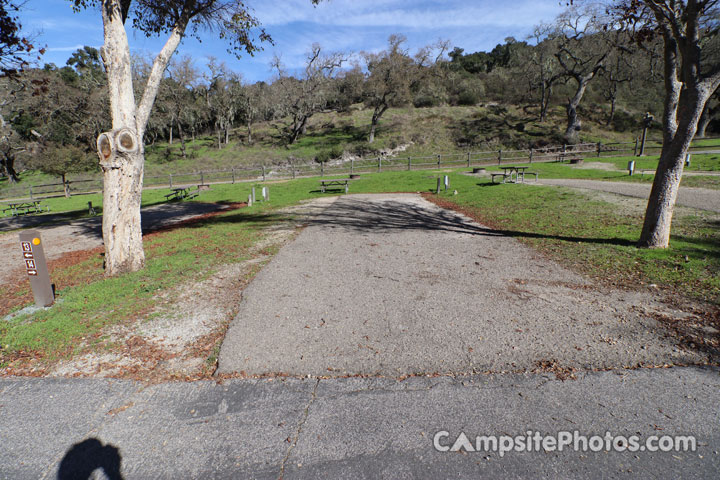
503,175
178,193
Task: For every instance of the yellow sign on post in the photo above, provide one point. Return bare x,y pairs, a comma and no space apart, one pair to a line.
36,268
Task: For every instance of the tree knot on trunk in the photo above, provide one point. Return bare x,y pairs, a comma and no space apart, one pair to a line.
113,146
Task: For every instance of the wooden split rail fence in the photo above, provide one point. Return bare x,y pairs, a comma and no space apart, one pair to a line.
351,167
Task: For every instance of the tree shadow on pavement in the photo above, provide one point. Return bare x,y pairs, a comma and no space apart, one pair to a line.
153,219
368,216
85,457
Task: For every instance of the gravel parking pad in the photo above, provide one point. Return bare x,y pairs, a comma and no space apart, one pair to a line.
392,285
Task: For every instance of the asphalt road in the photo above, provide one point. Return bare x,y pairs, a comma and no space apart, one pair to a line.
700,198
504,311
354,428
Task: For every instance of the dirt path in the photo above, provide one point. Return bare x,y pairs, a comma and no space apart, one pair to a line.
86,234
700,198
394,285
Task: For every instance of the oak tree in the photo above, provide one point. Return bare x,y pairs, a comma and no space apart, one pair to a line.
390,74
581,54
311,93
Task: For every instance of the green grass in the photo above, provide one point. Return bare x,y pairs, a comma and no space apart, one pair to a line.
83,310
585,234
77,205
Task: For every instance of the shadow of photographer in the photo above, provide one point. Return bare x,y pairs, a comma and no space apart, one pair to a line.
85,457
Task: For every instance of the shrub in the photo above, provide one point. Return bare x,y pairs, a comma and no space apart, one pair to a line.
425,101
322,156
336,152
331,154
364,149
468,98
623,121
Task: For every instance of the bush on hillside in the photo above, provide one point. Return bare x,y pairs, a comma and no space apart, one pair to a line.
623,122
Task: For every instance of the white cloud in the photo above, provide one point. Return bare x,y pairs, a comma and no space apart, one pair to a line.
66,49
409,14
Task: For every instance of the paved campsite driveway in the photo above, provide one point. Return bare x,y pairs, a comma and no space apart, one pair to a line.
394,285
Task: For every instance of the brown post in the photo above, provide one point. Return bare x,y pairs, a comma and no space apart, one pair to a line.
409,163
36,268
499,156
438,161
647,121
531,155
468,159
599,148
379,164
263,167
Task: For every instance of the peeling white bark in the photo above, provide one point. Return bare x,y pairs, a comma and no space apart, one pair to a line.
123,169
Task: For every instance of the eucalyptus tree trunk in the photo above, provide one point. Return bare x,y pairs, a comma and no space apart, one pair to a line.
661,204
684,103
122,171
122,154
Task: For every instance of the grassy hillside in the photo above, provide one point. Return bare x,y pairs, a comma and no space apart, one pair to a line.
425,132
419,131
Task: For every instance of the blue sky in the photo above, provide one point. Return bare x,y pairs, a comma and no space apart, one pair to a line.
337,25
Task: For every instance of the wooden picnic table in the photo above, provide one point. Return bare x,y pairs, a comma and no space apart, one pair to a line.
508,172
178,193
182,193
22,208
335,181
